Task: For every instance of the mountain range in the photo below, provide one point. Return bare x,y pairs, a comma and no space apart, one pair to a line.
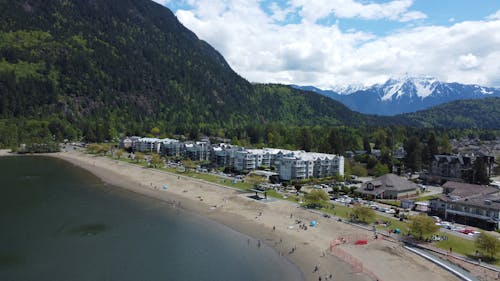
403,95
103,68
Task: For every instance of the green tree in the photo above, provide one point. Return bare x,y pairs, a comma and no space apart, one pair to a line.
139,157
189,164
423,226
316,199
431,149
103,149
359,170
488,245
380,170
156,161
366,145
155,131
255,180
347,168
363,214
479,172
93,148
118,153
413,159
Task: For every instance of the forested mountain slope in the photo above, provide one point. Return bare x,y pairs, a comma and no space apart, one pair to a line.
102,67
482,113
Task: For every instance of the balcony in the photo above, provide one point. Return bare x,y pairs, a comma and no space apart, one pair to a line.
466,214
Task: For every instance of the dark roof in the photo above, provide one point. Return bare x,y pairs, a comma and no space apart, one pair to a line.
387,182
453,158
472,194
466,189
488,200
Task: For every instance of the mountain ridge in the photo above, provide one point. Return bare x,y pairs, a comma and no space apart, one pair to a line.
405,95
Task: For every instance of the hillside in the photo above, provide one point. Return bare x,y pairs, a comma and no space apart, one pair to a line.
102,67
479,113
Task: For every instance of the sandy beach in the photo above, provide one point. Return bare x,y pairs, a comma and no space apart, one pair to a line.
4,152
272,222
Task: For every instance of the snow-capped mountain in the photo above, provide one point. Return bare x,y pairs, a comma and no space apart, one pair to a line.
405,94
349,89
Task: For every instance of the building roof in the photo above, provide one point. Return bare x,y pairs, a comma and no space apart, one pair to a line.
463,160
487,200
461,189
472,195
387,182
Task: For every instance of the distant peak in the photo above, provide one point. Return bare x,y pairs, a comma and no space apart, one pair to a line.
427,79
349,89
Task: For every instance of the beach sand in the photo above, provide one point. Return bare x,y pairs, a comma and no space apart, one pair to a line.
5,152
380,259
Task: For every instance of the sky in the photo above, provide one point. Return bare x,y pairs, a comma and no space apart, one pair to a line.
335,43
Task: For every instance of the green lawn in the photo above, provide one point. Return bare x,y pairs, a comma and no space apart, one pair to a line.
340,211
395,203
426,198
459,245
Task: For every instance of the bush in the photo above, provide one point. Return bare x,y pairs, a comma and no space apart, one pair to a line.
363,214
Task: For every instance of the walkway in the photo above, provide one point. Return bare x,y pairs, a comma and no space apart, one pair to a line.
459,272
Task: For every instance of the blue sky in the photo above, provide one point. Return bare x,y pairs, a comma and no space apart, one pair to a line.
330,43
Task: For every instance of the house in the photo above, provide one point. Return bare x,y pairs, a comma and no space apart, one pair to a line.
388,186
468,204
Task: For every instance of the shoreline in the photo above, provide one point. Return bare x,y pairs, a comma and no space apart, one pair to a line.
381,259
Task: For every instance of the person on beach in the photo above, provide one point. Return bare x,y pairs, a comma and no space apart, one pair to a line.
258,244
274,228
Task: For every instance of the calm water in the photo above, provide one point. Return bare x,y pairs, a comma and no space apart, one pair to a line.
58,222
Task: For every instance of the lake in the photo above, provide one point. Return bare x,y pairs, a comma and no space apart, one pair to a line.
59,222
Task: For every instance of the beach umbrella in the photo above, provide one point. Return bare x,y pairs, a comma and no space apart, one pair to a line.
165,186
313,223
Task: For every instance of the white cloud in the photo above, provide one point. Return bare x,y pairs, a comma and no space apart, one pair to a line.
468,61
308,53
393,10
495,16
162,2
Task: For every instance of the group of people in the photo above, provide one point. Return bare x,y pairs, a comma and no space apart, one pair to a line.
327,276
